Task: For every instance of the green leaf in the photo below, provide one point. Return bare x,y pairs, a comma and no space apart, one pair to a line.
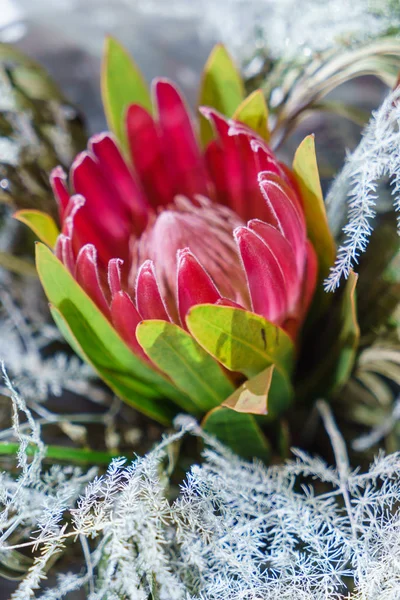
96,340
81,456
349,333
306,171
268,393
79,334
253,112
221,88
190,368
238,431
122,84
42,225
240,340
333,347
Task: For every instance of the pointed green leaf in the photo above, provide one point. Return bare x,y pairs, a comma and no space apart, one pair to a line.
78,333
238,431
253,112
98,339
306,171
268,393
122,84
42,225
349,333
240,340
190,368
221,88
333,346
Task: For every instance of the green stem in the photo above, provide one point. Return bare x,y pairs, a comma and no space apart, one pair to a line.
64,453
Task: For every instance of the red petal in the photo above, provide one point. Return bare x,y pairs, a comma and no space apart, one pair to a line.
185,163
214,157
264,276
148,156
292,182
266,160
283,253
194,284
119,176
232,164
105,216
87,275
125,319
58,181
288,217
148,298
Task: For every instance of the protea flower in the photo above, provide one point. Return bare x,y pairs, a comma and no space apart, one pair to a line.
175,226
157,229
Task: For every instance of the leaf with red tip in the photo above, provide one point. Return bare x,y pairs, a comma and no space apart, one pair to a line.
264,276
194,284
240,340
190,368
122,84
148,297
148,156
129,377
253,112
222,87
240,432
306,171
185,162
42,225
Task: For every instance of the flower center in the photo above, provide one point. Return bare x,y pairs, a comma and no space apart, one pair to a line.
206,229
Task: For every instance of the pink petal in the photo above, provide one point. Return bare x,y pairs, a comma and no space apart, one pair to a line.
120,178
194,285
289,219
87,275
185,162
114,276
148,297
148,156
58,181
283,253
264,276
125,319
64,252
228,302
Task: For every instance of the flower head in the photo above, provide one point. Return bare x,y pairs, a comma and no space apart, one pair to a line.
174,226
